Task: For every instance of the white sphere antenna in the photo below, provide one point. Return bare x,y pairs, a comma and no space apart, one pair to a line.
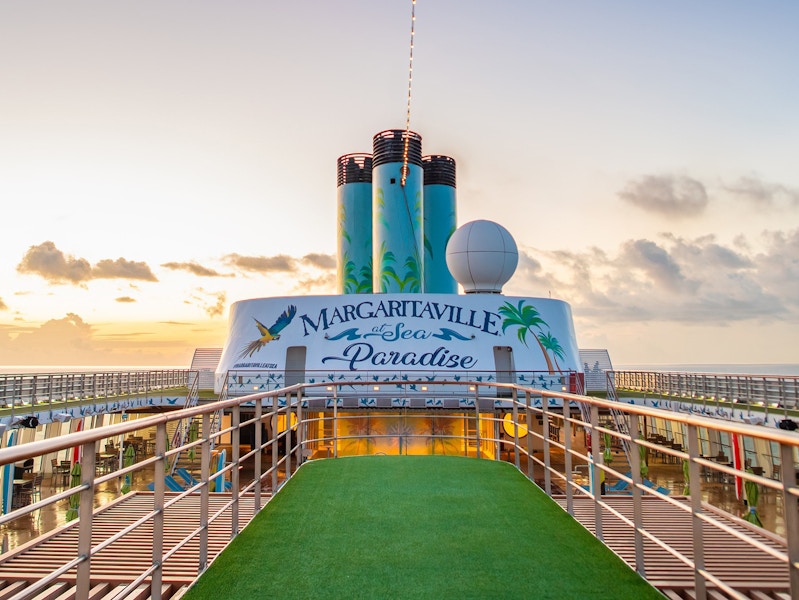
482,256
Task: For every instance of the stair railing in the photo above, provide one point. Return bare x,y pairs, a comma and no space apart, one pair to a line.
181,434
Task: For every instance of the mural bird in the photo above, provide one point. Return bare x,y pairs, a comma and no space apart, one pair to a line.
269,334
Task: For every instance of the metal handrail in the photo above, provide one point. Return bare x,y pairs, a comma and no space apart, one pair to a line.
771,391
23,394
298,399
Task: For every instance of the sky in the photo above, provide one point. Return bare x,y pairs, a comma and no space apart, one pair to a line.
162,160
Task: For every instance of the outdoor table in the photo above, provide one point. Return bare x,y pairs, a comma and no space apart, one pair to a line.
107,460
16,495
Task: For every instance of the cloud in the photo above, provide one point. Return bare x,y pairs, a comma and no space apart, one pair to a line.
195,269
778,266
323,284
3,305
54,266
72,341
763,194
122,269
657,265
217,309
212,303
124,299
57,337
262,264
320,261
667,195
672,279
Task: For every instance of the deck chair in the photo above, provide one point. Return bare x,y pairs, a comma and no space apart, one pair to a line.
619,486
171,485
658,488
186,476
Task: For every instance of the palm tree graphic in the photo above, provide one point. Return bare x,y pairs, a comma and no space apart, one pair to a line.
526,317
551,343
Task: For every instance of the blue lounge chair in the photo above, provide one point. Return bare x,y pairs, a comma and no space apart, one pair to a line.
186,477
171,484
620,486
658,488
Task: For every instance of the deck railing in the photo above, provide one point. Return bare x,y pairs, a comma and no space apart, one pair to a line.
771,391
21,393
321,424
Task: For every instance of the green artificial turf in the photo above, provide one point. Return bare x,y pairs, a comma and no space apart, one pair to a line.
415,527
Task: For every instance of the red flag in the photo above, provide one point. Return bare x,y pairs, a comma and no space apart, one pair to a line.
737,463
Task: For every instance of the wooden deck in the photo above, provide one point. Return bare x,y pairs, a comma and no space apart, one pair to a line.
124,560
738,564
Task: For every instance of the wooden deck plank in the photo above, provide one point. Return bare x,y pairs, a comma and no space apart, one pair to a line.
732,560
123,560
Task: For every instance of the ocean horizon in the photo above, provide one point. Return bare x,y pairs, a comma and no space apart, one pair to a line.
780,369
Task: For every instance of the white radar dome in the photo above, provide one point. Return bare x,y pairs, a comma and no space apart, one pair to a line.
482,257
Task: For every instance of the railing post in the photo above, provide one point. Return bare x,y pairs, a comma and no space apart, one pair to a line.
529,420
287,435
84,570
696,509
789,502
158,507
515,427
638,513
477,419
567,456
258,444
205,475
335,421
300,433
597,474
547,457
235,452
274,443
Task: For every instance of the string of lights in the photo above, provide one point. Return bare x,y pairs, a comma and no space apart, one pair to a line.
410,87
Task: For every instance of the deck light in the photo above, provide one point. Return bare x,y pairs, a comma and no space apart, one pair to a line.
471,388
329,388
424,388
376,388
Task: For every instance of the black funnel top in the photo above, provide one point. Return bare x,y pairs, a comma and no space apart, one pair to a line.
439,170
354,168
389,146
